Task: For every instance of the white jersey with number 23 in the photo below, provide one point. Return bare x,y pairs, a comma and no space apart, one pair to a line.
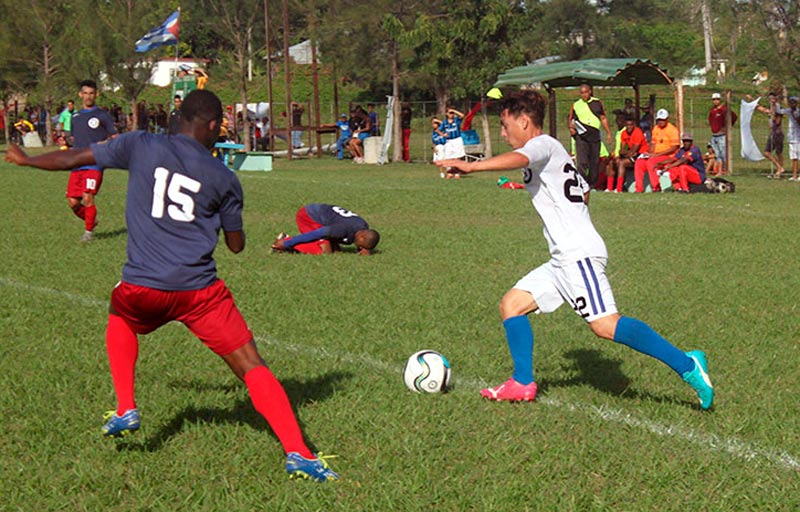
557,192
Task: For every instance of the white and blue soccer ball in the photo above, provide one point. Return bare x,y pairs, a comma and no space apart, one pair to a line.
427,371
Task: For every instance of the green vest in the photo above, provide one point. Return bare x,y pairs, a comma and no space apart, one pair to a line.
584,114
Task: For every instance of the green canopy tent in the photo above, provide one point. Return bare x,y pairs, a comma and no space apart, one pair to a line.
595,72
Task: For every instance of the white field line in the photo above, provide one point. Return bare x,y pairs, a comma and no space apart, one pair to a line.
735,447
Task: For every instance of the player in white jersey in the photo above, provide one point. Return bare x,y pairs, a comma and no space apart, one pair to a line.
576,270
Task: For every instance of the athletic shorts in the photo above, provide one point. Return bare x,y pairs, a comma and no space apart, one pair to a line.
794,150
209,313
306,224
583,284
775,143
719,146
85,181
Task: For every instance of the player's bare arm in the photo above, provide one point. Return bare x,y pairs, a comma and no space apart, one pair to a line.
507,161
52,161
235,241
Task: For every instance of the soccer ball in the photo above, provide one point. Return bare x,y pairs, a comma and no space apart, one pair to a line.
427,371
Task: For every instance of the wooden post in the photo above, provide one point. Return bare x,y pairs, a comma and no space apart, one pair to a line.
487,134
637,99
551,93
287,78
679,104
728,127
270,138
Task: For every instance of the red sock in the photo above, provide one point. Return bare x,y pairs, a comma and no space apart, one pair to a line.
123,350
91,216
270,401
620,182
610,183
80,212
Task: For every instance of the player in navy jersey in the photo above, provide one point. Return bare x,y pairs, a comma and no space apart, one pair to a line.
576,270
324,227
89,125
179,196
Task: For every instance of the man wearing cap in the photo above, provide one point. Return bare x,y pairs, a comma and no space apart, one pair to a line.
665,141
716,120
686,166
345,134
586,117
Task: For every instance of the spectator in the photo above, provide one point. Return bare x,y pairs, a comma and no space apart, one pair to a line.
586,117
64,126
162,120
142,120
451,125
345,134
646,123
629,109
360,126
323,228
175,116
775,137
373,119
405,125
793,113
716,120
686,166
438,139
632,144
709,158
297,121
665,143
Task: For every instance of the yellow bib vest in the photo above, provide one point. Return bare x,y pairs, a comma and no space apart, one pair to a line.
584,114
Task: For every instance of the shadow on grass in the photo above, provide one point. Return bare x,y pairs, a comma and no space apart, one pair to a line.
603,374
241,411
111,234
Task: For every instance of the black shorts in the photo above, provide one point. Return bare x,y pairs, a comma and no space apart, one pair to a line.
775,143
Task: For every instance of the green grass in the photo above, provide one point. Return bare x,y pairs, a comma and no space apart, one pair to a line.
611,429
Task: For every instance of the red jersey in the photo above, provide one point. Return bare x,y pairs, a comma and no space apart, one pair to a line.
635,137
716,119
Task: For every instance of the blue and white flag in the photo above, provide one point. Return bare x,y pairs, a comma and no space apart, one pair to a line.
166,33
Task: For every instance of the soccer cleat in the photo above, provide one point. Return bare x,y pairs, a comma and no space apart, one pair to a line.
87,236
316,469
119,426
511,391
698,378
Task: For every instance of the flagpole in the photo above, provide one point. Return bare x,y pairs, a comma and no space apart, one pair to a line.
175,64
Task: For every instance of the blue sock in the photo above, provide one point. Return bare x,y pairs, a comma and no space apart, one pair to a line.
519,336
641,337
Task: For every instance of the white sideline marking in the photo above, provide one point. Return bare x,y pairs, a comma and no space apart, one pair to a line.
732,446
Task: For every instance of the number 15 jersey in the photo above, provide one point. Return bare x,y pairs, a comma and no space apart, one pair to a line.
179,196
557,191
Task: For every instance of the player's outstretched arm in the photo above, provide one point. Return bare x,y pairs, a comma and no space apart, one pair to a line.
53,161
505,162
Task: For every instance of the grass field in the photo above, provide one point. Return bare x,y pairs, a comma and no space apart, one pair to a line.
611,429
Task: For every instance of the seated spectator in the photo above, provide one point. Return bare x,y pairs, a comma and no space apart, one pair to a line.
710,158
345,134
686,166
360,126
646,123
629,109
323,228
665,143
632,143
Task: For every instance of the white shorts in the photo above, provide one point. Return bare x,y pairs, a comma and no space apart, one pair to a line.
794,150
438,152
583,283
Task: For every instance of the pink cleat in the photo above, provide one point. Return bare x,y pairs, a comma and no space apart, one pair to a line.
511,391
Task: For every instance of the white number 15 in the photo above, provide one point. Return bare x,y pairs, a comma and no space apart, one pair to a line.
183,208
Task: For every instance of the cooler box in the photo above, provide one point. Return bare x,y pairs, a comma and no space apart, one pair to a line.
372,149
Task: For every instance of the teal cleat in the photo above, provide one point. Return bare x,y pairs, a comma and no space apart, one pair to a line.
698,378
316,469
119,426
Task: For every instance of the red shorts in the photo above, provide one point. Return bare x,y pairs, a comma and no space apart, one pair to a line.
306,224
209,313
87,181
